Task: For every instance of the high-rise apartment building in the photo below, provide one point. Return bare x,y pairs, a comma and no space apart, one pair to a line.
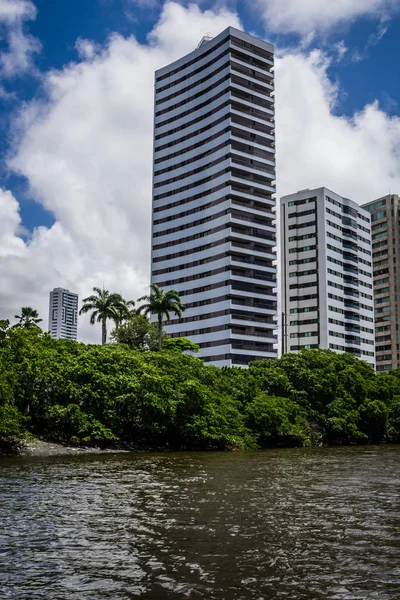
63,314
213,207
386,257
327,290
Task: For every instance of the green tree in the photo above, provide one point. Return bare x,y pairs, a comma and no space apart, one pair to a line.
136,332
276,421
4,326
181,345
394,421
161,303
374,420
28,319
103,306
127,312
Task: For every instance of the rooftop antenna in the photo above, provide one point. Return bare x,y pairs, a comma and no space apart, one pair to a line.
206,38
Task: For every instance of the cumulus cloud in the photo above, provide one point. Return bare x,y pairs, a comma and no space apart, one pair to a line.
86,151
307,17
358,157
20,47
180,29
87,49
11,244
13,10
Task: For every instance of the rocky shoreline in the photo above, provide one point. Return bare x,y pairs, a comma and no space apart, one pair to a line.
37,447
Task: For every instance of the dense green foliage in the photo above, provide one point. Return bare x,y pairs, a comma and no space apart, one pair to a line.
136,332
117,394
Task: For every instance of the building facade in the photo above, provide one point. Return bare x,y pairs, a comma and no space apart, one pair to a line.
214,235
386,256
327,289
63,314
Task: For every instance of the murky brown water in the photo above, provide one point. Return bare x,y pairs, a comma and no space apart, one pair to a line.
297,524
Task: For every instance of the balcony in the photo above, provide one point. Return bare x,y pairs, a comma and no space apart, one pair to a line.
251,319
349,222
236,160
254,346
351,316
350,339
350,257
350,234
251,193
351,281
350,269
251,233
350,246
354,305
252,206
255,251
352,328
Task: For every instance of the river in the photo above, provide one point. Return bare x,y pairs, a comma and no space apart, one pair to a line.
296,524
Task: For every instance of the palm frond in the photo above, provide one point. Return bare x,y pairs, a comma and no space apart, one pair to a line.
86,307
93,317
100,292
144,309
91,299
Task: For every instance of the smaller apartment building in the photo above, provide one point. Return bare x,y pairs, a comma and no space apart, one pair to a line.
386,256
63,314
327,287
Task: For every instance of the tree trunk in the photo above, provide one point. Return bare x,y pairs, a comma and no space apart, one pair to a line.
104,332
160,332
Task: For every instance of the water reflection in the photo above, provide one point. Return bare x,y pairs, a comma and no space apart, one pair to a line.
297,524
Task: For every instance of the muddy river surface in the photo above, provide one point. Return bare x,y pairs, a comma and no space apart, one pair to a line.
303,524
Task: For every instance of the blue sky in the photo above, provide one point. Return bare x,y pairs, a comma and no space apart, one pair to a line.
369,72
76,121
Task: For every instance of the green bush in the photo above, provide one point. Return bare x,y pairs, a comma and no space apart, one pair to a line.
12,423
276,421
69,424
89,394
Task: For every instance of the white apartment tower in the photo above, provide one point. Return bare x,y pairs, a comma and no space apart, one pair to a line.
63,314
214,233
327,287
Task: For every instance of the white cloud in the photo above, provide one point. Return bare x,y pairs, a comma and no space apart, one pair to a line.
358,157
87,154
86,151
16,59
180,29
13,10
315,16
86,48
10,224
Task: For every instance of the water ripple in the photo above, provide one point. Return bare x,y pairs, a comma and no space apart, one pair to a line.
298,524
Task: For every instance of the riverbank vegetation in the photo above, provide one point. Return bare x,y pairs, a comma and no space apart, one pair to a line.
133,395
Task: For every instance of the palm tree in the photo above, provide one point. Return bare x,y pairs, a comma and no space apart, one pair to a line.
105,306
127,312
161,303
28,319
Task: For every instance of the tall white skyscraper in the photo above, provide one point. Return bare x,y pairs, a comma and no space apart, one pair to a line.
63,314
327,288
214,233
